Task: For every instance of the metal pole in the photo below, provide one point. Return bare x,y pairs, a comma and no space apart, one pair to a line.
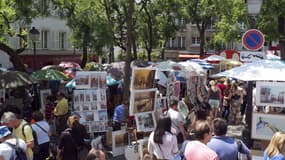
34,57
282,48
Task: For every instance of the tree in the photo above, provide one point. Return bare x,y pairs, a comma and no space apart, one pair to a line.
15,12
89,24
232,21
202,13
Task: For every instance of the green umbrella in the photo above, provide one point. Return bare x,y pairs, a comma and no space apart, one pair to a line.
14,79
49,74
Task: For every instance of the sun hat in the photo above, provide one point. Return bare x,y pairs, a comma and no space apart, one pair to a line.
4,131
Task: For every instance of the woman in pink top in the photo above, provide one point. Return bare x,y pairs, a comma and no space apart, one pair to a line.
198,149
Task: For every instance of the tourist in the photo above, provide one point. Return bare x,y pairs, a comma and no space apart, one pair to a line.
214,99
96,152
120,115
197,149
49,108
162,143
226,147
21,129
6,138
42,129
235,104
177,122
68,140
61,113
276,148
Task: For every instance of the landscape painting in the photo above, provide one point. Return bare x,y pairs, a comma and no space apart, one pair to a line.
143,78
265,125
142,101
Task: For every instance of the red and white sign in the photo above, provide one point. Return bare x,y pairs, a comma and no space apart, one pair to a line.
253,40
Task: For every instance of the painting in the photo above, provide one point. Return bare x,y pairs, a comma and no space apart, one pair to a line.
143,78
142,101
119,141
82,80
265,125
145,121
142,148
2,96
102,80
270,93
44,93
103,116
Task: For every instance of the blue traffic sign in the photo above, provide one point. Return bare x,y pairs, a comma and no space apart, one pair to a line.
253,39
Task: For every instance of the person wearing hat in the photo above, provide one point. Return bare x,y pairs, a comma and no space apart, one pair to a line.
6,137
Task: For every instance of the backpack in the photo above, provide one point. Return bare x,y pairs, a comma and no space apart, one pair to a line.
36,148
19,153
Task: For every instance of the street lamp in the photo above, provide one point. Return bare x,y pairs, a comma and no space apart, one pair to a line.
253,9
34,35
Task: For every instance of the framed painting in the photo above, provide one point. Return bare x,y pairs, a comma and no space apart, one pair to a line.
142,101
82,80
265,125
145,121
142,148
43,94
143,78
119,141
270,93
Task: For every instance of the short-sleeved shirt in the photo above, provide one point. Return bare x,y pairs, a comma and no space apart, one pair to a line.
6,151
42,135
175,117
226,147
119,113
28,137
61,107
276,157
196,150
167,150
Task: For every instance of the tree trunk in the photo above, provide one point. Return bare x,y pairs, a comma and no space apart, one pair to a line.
14,58
202,43
127,68
111,54
84,49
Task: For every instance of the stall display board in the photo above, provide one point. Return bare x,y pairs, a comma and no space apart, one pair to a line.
89,100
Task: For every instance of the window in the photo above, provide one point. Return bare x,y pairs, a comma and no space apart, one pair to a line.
195,39
44,39
61,41
181,42
170,43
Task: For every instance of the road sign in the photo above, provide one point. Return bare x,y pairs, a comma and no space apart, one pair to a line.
253,39
249,56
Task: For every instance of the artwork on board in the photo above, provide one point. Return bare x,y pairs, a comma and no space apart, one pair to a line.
82,80
94,80
145,121
102,80
270,93
119,140
265,125
142,101
2,96
43,94
143,78
143,147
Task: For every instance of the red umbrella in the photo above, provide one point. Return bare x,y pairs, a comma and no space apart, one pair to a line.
69,65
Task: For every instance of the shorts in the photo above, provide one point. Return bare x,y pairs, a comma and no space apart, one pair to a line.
214,103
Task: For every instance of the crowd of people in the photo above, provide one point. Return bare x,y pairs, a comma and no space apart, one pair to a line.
199,134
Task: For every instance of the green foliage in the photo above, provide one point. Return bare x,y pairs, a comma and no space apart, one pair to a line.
232,15
92,66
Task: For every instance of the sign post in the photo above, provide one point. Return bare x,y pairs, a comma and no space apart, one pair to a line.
252,41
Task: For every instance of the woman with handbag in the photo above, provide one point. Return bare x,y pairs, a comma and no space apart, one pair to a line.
67,146
162,144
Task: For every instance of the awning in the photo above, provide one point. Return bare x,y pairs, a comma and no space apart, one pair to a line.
189,56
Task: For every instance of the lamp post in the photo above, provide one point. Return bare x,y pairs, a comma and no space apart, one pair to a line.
34,35
253,9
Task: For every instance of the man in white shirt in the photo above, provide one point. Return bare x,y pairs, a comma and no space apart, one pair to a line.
7,151
177,122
